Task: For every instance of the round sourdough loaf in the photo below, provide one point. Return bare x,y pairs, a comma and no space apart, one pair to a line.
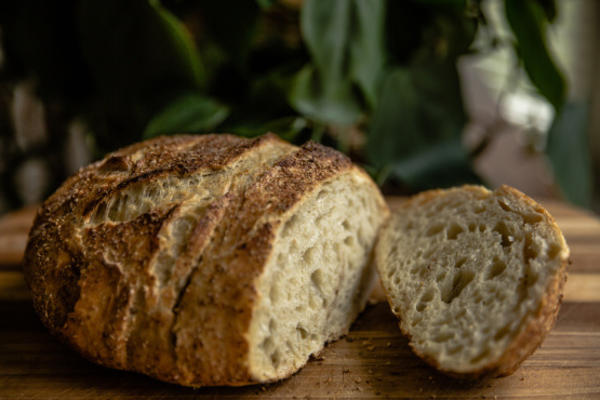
206,260
474,276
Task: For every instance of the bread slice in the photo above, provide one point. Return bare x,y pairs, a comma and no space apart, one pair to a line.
474,276
206,260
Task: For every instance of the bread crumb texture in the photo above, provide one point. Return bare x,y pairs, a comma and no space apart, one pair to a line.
206,260
474,276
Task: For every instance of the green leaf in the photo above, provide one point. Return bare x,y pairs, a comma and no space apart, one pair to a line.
182,41
265,4
341,56
418,107
443,164
188,114
136,45
287,128
338,105
528,24
416,130
568,152
325,26
394,129
367,50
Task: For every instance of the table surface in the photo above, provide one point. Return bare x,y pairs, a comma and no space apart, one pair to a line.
373,361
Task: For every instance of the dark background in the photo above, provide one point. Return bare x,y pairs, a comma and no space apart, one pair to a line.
421,93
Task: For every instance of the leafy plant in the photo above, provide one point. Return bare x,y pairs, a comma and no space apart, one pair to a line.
376,78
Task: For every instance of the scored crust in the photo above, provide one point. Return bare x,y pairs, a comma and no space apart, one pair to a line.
532,333
96,253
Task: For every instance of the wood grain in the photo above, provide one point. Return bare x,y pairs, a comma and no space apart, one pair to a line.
373,361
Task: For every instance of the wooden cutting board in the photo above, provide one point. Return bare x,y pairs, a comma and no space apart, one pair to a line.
373,361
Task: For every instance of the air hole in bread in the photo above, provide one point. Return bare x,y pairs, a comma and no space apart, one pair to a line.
317,279
428,295
553,251
114,209
506,236
480,356
453,350
302,332
267,344
502,332
426,298
319,220
461,279
454,231
504,206
100,214
530,251
460,262
275,358
531,275
114,164
310,255
321,195
532,218
498,266
443,337
293,246
349,241
472,227
288,226
425,272
346,225
434,230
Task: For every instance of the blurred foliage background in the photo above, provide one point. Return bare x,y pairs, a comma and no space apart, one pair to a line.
379,80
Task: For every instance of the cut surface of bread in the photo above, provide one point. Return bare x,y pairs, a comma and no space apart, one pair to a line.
314,284
474,276
206,260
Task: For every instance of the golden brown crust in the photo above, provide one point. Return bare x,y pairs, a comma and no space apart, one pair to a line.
533,331
97,280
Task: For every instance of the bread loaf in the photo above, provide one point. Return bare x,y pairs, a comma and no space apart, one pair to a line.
206,260
474,276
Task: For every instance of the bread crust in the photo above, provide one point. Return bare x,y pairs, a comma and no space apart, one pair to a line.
96,284
532,333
